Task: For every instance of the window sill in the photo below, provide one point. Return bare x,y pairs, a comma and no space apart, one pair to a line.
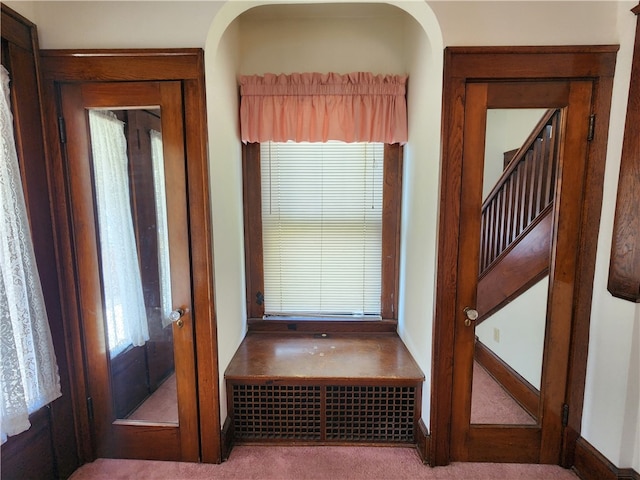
322,326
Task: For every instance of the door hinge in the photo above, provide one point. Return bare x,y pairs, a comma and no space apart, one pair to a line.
259,298
592,127
565,415
90,408
62,130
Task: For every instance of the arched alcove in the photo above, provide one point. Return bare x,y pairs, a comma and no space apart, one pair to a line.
415,48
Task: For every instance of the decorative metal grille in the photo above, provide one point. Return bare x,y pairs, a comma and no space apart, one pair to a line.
352,413
360,413
276,412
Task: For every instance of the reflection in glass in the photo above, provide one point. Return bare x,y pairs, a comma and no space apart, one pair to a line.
124,307
129,184
159,189
519,172
516,332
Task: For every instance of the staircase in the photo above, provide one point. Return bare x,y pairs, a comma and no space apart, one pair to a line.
517,220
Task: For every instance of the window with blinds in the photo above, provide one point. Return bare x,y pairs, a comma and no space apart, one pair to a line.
322,228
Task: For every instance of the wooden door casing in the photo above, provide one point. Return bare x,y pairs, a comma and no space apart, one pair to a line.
519,443
117,438
464,66
186,67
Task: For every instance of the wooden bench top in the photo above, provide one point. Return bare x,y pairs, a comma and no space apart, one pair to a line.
325,357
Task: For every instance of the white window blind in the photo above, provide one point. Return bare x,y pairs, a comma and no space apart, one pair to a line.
322,228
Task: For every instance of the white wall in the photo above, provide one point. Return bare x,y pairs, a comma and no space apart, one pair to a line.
612,396
306,39
552,22
610,420
421,179
125,24
225,160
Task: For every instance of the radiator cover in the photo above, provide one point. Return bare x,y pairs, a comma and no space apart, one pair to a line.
324,413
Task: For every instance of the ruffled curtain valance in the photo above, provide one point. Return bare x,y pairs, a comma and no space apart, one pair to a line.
314,107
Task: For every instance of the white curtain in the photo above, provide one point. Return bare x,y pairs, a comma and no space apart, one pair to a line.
159,188
29,376
122,284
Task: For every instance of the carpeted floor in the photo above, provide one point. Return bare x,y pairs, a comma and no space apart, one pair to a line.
491,403
317,463
161,406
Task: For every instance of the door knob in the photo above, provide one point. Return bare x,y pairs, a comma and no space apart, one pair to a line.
176,316
471,314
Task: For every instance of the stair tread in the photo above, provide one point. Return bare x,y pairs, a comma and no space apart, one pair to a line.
379,357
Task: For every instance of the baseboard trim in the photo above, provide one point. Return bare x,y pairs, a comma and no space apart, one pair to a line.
590,464
524,393
422,441
226,439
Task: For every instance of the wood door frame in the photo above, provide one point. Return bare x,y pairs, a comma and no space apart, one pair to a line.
186,66
465,65
540,443
121,438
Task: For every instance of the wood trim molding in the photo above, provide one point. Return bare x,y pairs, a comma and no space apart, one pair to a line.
551,62
624,267
469,64
312,326
122,65
391,211
590,464
18,30
226,442
186,66
422,441
254,259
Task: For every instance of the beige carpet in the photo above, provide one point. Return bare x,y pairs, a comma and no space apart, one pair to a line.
161,406
491,403
317,463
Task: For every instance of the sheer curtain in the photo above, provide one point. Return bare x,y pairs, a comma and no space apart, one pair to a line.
122,284
157,159
29,376
315,107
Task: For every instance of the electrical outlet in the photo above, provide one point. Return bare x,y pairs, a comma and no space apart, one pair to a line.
496,335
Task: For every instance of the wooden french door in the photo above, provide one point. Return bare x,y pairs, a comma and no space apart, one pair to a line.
124,377
537,436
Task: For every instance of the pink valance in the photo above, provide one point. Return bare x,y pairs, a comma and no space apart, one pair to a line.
314,107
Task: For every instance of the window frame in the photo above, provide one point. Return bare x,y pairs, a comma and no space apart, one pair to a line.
391,204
